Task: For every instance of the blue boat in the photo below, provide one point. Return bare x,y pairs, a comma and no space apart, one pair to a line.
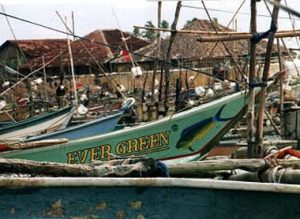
145,198
99,126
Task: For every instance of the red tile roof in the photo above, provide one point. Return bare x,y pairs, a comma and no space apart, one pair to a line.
95,42
36,48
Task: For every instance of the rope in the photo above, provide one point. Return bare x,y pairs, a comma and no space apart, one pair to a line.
282,40
281,174
226,48
272,174
292,19
235,14
230,12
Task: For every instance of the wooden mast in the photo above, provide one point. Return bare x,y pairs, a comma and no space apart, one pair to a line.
156,62
260,120
168,56
281,95
251,101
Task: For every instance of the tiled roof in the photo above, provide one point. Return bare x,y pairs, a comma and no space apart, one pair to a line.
96,43
36,48
186,45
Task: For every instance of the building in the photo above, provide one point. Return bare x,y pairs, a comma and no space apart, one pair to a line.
91,54
15,53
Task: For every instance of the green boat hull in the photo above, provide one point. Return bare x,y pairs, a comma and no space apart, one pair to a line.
145,198
181,137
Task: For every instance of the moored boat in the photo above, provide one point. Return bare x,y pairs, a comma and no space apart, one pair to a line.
46,197
181,137
44,123
98,126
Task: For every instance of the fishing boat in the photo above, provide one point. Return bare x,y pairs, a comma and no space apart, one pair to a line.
182,137
145,198
44,123
95,127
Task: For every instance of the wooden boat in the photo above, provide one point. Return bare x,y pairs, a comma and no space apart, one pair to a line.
40,124
98,126
182,137
145,198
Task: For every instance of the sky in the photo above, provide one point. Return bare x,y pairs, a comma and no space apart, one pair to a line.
90,15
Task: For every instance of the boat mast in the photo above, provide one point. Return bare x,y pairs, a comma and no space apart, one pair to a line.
168,56
156,62
260,119
72,68
251,101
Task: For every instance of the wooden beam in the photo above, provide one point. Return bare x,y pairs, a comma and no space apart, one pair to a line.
225,36
245,36
189,31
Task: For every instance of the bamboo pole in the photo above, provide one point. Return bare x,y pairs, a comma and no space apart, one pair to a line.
251,96
188,31
245,36
168,57
224,36
45,79
159,5
281,95
260,121
72,68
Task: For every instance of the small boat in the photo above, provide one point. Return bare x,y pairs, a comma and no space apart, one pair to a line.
83,197
44,123
98,126
182,137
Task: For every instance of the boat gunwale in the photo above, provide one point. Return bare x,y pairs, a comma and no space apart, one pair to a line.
21,182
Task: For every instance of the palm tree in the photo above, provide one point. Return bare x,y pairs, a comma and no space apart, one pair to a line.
164,24
136,32
149,34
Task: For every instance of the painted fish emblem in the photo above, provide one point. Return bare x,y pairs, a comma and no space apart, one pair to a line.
199,130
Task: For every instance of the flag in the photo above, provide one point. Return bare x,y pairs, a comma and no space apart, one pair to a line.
125,54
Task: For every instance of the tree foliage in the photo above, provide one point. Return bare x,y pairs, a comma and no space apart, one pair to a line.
149,34
189,22
136,32
164,24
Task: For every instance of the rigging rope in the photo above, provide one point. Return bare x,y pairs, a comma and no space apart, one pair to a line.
225,11
226,48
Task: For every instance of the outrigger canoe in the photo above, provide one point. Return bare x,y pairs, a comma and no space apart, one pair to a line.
182,137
